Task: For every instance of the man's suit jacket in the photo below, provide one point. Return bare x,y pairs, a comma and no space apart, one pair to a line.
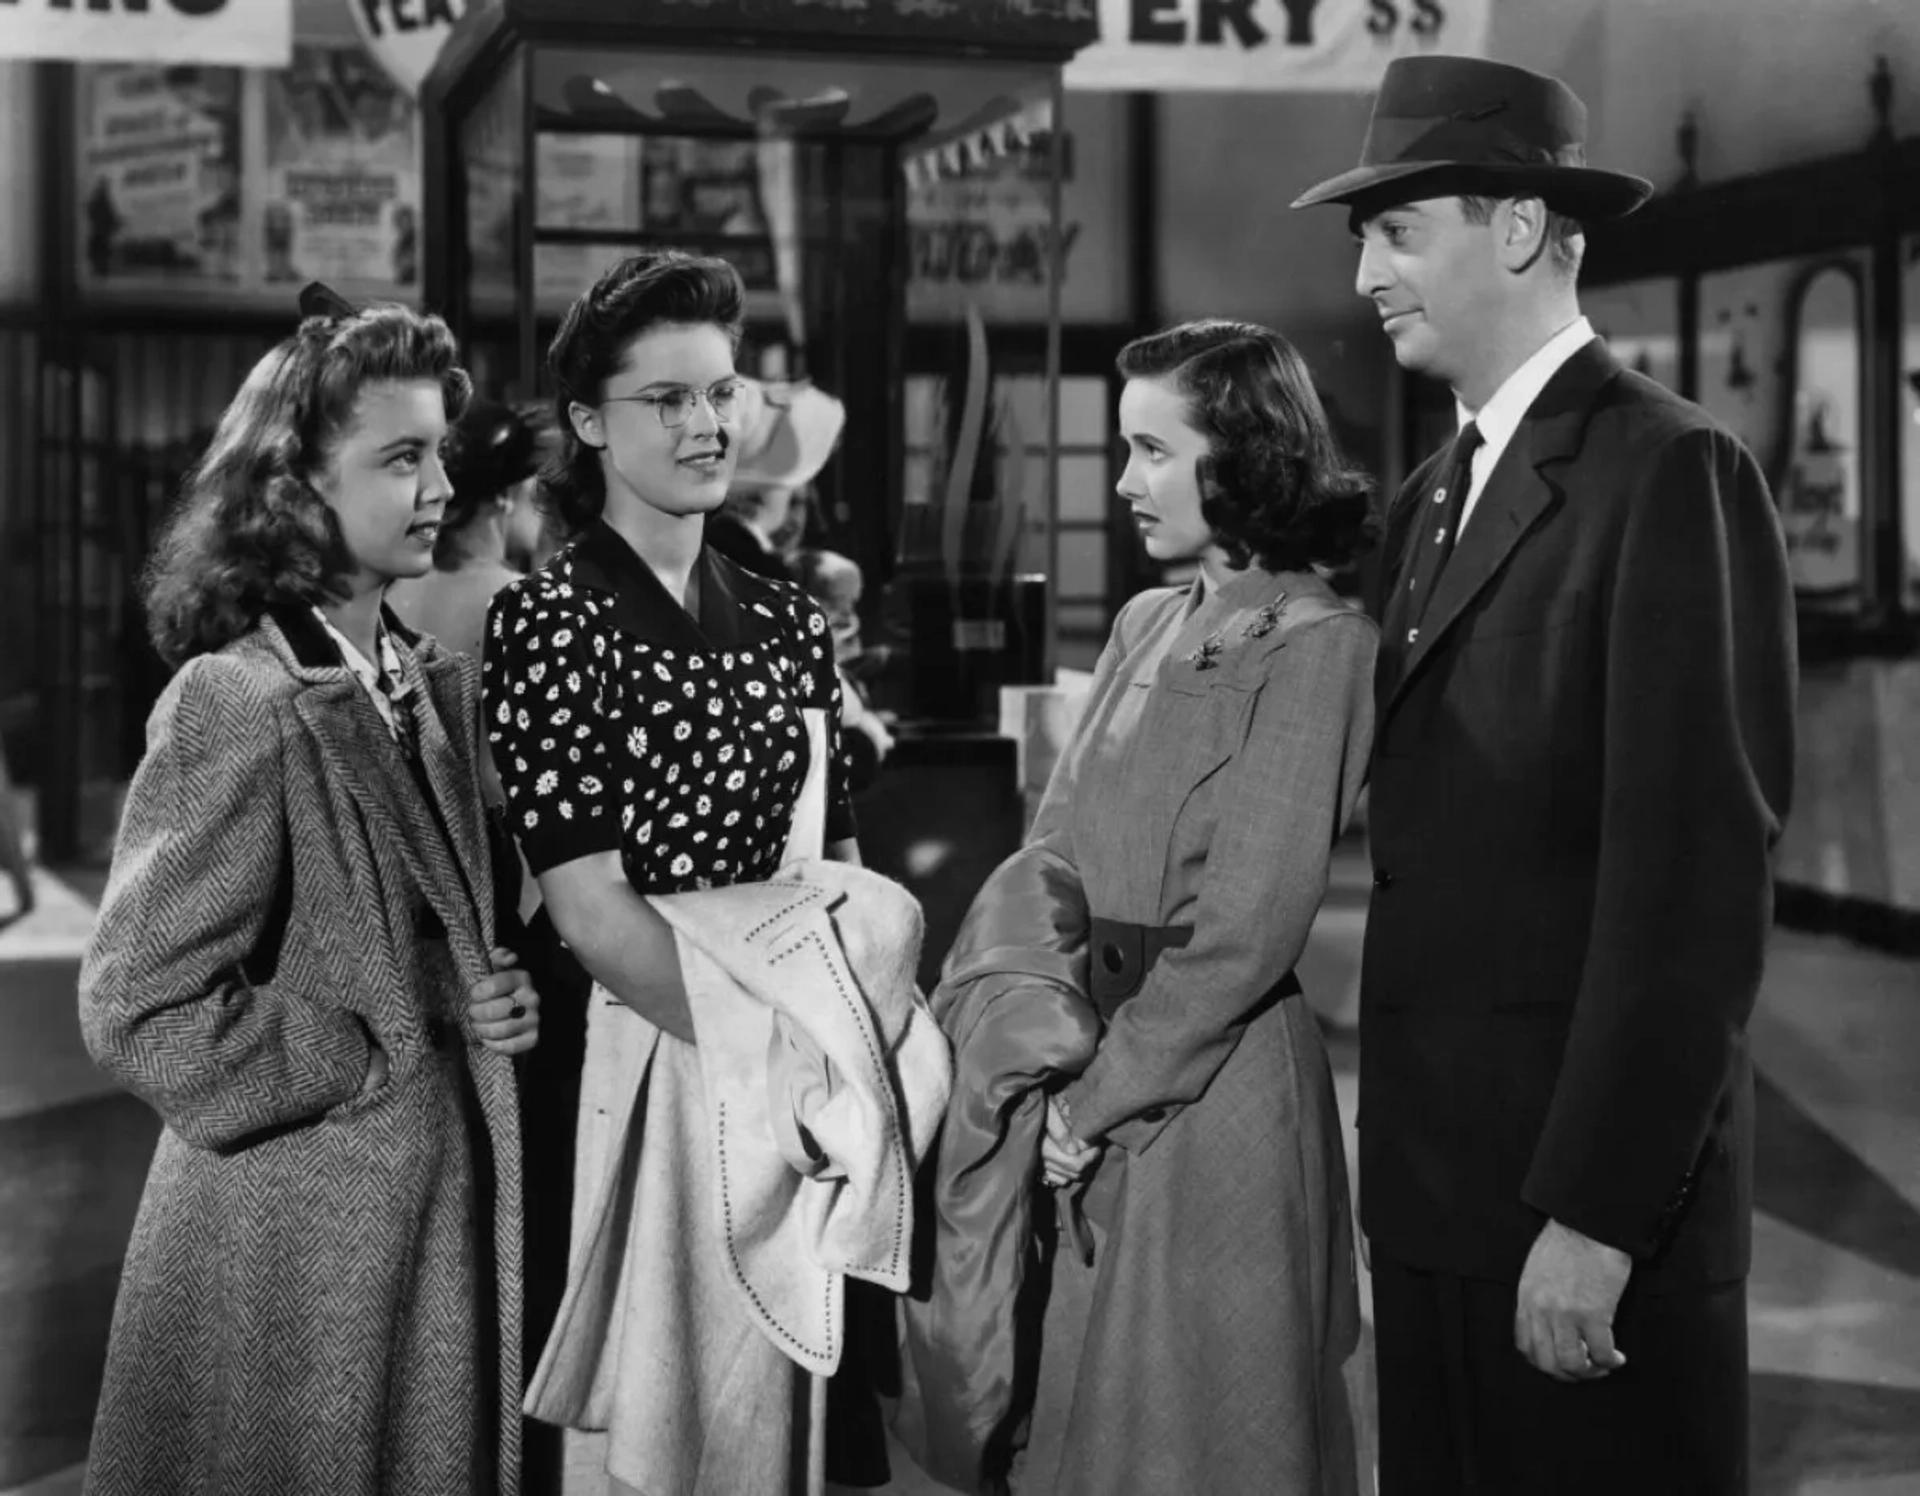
1581,767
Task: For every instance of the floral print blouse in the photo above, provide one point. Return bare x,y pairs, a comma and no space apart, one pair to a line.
618,720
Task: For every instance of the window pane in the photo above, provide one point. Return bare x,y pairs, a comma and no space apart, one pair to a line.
1910,416
1084,415
919,478
1083,564
1086,490
1021,413
922,413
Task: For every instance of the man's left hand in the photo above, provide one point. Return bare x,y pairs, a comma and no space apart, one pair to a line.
1563,1322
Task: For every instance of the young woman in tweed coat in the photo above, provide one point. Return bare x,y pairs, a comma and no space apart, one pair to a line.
295,964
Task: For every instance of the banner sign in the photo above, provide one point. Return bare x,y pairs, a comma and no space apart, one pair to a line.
236,33
1269,46
405,36
977,145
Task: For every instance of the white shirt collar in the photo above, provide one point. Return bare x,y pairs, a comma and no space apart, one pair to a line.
1500,417
384,684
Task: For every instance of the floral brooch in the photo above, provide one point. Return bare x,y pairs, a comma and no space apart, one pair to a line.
1207,656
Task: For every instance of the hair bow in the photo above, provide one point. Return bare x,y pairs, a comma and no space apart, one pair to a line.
318,299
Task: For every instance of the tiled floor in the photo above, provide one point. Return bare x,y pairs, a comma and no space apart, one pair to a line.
1835,1293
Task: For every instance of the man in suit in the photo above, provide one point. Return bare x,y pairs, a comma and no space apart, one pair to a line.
1583,757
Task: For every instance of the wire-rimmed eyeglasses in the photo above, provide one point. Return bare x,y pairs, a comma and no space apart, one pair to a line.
675,406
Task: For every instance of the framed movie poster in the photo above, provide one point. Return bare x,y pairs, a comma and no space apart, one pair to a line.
223,187
342,199
159,156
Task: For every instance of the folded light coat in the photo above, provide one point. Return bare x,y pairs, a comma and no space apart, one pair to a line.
727,1190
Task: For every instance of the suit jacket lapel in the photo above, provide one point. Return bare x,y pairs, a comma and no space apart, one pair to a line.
1516,495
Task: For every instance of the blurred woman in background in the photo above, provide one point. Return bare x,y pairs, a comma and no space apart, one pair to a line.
492,458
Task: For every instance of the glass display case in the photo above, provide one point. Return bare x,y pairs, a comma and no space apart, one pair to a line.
790,140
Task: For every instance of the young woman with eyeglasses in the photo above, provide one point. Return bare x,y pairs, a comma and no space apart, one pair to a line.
644,695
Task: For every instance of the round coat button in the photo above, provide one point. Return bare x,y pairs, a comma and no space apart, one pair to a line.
1112,957
1382,878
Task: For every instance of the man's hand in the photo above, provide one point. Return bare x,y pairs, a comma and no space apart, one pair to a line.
504,1007
1563,1321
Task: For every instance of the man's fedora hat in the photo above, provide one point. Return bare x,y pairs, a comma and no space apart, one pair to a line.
1463,125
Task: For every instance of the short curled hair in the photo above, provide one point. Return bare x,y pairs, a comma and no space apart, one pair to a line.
1566,236
1274,486
250,531
488,451
657,288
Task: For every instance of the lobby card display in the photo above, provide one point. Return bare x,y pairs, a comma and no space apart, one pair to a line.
342,199
586,184
1781,365
160,190
491,153
701,195
219,188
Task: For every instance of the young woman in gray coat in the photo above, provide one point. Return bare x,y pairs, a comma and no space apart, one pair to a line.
295,964
1202,1344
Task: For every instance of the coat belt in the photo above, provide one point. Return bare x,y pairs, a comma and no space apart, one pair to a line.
1120,954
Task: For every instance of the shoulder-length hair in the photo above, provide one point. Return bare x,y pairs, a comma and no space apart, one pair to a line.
1274,486
658,288
250,531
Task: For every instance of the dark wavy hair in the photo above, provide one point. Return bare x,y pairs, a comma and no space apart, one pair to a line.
249,530
657,288
1274,486
489,450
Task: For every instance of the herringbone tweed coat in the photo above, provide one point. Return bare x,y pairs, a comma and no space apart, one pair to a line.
309,1307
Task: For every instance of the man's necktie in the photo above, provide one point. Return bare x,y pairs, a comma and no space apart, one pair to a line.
1436,529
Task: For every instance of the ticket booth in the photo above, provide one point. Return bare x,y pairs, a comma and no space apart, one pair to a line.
563,134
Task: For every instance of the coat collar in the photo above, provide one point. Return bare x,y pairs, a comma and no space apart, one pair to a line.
1515,498
299,641
444,843
601,559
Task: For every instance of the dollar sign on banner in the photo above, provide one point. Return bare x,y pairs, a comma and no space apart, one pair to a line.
405,36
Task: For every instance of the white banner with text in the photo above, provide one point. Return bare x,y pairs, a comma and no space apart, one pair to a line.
1270,46
231,33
